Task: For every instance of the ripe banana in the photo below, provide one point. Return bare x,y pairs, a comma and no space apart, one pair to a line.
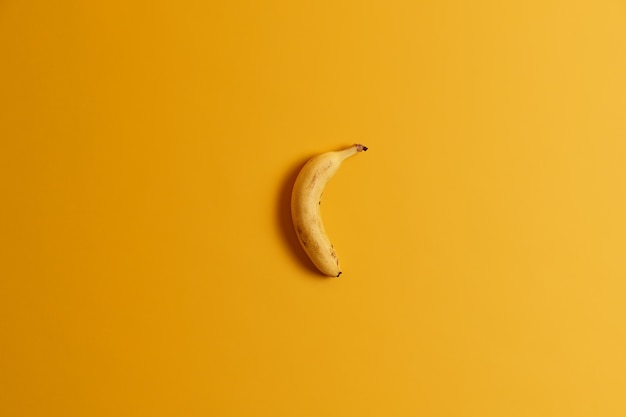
305,207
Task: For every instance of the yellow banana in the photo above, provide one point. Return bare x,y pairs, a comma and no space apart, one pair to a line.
305,207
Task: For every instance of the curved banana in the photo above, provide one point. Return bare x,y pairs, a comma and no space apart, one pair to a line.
305,207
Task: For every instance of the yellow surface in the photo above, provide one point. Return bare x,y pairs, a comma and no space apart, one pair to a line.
147,261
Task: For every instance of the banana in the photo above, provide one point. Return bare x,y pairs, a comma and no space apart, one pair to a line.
305,207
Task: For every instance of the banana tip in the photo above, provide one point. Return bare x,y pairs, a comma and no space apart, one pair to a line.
360,147
339,274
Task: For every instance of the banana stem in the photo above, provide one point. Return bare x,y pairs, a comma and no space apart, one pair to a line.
348,152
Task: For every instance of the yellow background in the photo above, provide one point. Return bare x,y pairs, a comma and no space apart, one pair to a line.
147,261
